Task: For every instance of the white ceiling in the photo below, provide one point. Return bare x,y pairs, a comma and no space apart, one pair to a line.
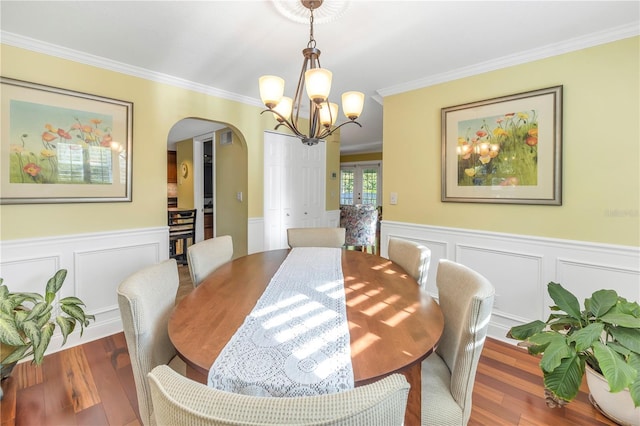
377,47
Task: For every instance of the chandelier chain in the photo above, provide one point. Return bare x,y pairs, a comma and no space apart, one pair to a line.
312,41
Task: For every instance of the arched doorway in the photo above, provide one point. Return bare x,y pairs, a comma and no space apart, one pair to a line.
214,155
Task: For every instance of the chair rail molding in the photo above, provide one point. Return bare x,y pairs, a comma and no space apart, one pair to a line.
96,263
521,266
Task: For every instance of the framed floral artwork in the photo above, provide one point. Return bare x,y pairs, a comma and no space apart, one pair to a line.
504,150
61,146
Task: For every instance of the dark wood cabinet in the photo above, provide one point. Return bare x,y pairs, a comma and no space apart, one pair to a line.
208,226
172,168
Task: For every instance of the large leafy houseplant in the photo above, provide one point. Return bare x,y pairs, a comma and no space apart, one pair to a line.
28,320
605,335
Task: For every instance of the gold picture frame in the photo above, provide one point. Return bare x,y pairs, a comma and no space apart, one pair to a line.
504,150
62,146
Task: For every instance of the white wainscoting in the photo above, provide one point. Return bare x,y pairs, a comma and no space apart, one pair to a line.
96,264
255,235
520,267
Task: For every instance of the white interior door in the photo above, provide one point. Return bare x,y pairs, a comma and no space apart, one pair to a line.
294,191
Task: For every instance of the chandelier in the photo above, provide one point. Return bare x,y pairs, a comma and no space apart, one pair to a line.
317,82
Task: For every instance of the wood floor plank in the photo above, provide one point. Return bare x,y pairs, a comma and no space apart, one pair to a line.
8,412
30,405
94,416
27,374
79,381
115,403
56,397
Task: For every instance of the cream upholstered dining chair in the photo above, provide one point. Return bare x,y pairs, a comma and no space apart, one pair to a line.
448,374
181,401
207,256
146,298
413,257
315,237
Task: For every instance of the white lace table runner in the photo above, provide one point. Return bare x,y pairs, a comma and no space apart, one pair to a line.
295,341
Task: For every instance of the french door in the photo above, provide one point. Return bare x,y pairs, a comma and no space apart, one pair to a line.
360,183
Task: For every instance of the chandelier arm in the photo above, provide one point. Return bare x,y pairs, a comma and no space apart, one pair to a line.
328,133
297,99
314,120
284,122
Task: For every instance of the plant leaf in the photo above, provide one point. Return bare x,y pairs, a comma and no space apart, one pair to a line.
626,307
564,381
601,302
17,354
557,349
38,351
37,311
71,300
564,299
627,337
33,332
522,332
585,337
618,373
55,283
634,388
66,326
9,334
624,320
74,311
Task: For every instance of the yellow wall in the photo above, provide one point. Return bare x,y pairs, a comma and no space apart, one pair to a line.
333,167
352,158
184,155
231,178
156,108
601,179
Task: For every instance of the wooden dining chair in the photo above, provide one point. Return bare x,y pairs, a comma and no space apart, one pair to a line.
146,299
413,257
207,256
182,233
179,401
315,237
448,374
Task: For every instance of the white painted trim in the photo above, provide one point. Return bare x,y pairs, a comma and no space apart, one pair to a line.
574,44
577,43
40,46
520,266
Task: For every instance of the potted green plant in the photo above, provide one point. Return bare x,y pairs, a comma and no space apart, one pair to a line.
604,336
28,320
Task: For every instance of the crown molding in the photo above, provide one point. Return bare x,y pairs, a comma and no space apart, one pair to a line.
574,44
40,46
570,45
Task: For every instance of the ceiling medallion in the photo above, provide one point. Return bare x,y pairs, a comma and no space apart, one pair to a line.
297,11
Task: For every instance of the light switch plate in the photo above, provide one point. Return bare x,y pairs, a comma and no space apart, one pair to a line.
393,198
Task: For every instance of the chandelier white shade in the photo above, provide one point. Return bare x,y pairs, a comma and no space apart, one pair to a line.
315,82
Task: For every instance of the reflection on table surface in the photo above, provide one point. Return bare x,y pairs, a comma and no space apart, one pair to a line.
392,324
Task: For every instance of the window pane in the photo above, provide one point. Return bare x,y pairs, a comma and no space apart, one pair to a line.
370,186
346,186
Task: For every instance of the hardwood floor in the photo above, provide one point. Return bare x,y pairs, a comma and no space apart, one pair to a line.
92,384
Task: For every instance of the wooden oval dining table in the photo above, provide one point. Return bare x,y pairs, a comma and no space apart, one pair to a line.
393,325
